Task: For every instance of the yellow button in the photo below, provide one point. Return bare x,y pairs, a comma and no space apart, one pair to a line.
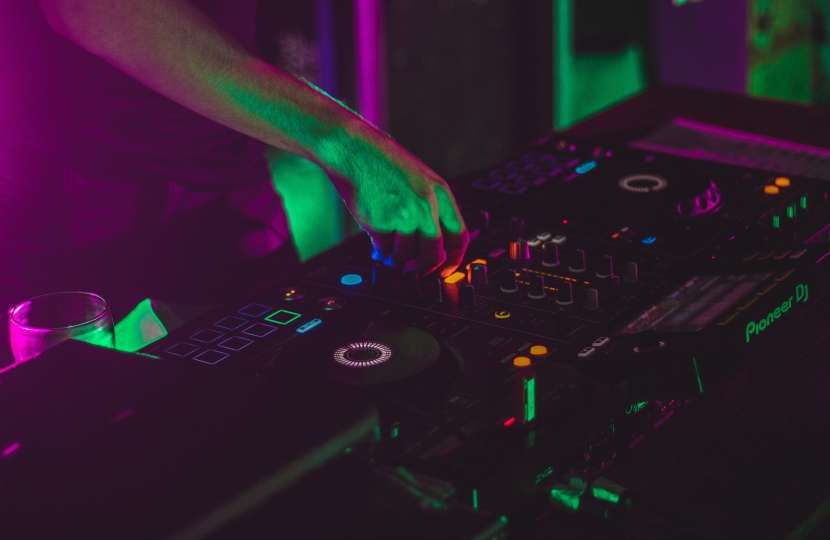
521,361
455,277
771,190
502,314
538,350
782,181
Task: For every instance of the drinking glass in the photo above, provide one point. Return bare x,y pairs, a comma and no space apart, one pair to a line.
44,321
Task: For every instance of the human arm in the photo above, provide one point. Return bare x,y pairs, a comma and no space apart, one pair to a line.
175,49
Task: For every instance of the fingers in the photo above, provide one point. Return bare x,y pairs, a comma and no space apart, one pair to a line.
455,244
431,254
383,243
438,243
406,249
455,234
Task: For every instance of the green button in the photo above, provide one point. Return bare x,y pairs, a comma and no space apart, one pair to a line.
282,317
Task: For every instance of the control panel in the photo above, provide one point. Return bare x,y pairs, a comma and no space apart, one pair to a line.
603,290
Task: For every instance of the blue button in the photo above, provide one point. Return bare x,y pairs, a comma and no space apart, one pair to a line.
585,167
648,240
310,325
351,280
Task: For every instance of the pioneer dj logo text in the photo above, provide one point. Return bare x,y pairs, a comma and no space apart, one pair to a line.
753,328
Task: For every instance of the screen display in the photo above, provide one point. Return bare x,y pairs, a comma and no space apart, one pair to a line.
695,304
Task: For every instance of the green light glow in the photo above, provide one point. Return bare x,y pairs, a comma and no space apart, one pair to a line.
802,202
566,496
604,495
317,217
351,154
395,432
530,399
790,211
544,474
776,222
475,499
697,374
283,317
636,407
139,328
753,328
585,84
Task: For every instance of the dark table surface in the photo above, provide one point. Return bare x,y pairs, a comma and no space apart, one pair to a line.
644,112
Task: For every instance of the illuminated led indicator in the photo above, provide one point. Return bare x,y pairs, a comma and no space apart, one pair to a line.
648,240
791,211
802,202
521,361
454,278
362,354
475,499
615,235
771,190
782,181
282,317
210,357
395,432
509,422
565,221
585,167
502,314
254,310
310,325
605,495
566,496
538,350
351,280
530,399
776,222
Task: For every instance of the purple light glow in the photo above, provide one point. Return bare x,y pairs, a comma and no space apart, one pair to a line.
9,450
368,37
123,415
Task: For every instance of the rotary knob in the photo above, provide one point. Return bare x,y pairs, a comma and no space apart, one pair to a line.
631,273
477,276
467,296
516,227
606,268
565,294
519,250
537,287
591,299
550,254
578,262
509,282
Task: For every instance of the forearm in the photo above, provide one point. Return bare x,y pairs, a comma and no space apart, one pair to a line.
174,48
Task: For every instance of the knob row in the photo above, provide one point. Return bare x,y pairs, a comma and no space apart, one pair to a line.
520,251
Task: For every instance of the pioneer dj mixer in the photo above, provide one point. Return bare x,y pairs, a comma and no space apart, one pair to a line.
603,291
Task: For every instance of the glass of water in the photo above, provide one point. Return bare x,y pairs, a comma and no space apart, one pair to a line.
44,321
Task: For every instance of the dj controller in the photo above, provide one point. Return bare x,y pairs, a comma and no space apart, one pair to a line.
604,291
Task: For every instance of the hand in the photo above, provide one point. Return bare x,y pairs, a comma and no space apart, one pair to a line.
407,209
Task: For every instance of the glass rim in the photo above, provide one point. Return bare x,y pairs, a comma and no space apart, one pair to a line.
14,309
